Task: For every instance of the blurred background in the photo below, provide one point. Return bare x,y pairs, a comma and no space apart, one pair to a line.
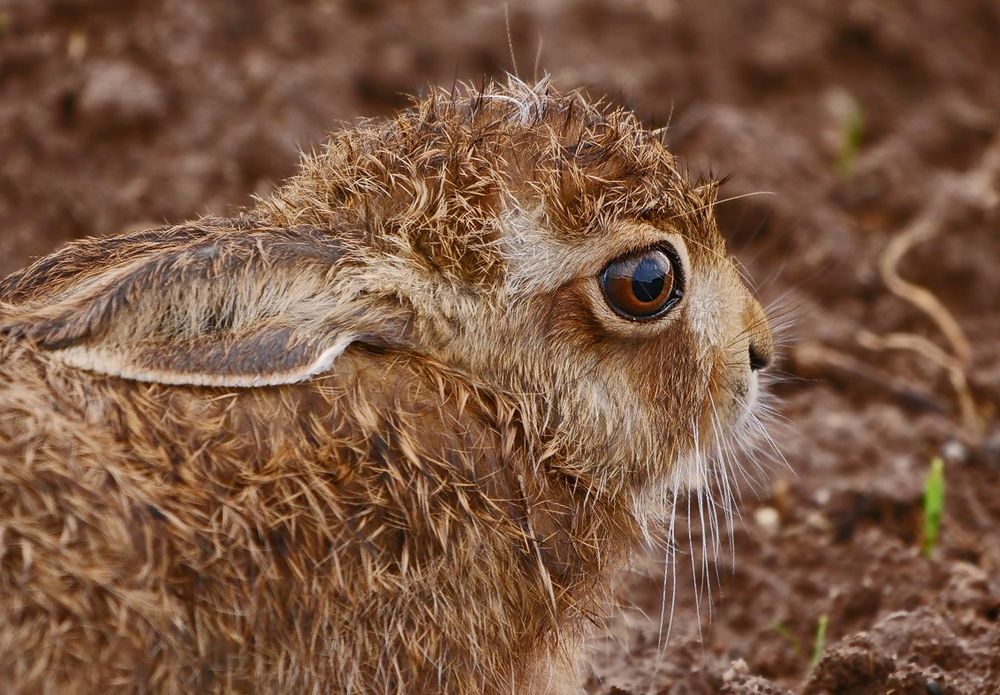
862,139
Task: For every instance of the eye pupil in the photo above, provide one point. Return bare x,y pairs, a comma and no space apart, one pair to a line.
647,280
644,285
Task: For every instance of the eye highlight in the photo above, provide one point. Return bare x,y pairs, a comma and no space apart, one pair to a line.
644,285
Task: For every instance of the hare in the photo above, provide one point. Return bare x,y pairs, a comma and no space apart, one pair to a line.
392,429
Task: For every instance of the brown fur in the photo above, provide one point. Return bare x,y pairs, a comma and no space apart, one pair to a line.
379,434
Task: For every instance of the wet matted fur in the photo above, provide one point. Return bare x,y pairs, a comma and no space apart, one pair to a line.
378,434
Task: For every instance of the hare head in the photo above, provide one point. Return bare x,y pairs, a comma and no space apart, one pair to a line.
540,245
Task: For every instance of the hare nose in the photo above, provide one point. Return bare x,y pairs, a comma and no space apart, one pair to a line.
760,356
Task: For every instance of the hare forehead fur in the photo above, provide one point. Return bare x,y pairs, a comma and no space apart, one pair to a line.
506,189
462,442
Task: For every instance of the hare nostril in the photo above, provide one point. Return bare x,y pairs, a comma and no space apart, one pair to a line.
759,359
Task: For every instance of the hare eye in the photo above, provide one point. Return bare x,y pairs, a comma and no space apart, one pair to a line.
644,285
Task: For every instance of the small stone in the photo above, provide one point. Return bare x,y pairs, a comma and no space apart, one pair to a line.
954,451
76,46
818,521
768,519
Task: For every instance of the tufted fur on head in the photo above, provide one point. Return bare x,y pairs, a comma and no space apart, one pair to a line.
382,432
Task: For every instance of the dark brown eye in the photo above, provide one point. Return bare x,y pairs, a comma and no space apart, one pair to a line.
644,285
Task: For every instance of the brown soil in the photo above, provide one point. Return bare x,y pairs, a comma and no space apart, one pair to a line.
115,115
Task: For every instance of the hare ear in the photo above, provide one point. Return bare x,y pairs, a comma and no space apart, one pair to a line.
225,307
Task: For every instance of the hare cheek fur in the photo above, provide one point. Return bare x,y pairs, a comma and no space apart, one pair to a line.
382,433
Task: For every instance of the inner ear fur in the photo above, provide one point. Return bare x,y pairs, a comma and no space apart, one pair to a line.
198,305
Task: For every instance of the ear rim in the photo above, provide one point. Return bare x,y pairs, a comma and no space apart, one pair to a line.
88,361
75,321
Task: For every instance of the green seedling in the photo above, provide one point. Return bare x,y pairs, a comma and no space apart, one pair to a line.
851,138
933,505
819,644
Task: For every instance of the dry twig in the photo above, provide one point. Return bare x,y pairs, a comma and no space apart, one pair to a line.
973,189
